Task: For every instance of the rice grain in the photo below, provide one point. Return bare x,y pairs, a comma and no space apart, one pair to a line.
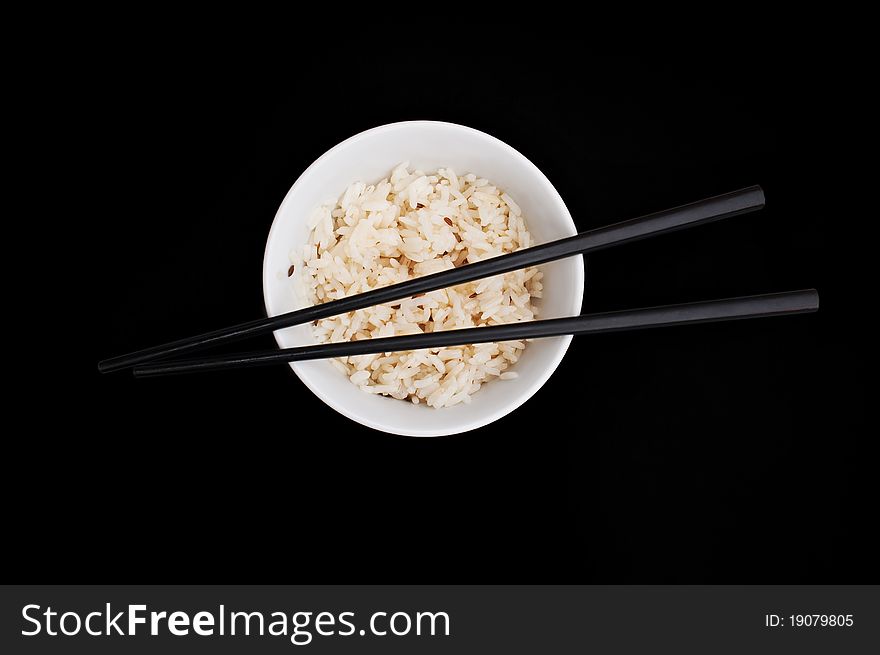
408,225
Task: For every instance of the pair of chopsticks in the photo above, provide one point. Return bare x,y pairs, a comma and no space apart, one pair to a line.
704,211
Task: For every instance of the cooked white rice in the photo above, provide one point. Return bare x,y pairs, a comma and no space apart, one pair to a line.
410,225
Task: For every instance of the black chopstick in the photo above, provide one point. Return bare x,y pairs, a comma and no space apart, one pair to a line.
704,211
774,304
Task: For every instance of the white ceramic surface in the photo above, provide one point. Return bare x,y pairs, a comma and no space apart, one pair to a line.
427,145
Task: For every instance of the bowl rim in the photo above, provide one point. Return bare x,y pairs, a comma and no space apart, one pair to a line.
563,342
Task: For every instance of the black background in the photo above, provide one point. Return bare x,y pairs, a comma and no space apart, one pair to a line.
726,453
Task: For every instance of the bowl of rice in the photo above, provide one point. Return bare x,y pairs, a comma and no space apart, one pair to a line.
411,199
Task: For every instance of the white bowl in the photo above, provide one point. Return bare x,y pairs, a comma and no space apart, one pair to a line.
427,145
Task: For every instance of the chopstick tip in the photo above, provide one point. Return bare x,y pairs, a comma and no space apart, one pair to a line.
761,197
